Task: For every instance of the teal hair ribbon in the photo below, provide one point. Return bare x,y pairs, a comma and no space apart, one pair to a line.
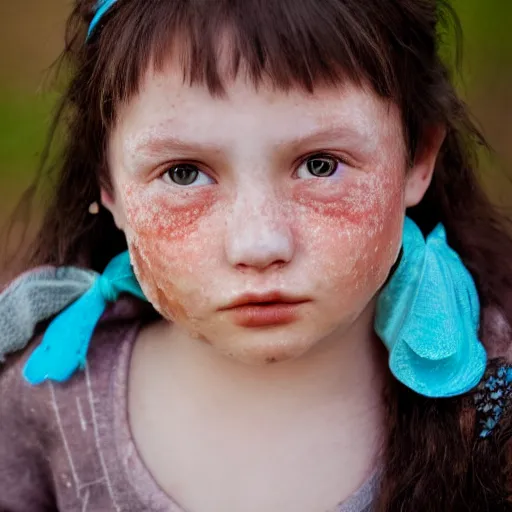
64,346
101,8
428,317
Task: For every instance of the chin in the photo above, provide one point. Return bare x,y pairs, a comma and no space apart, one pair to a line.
265,348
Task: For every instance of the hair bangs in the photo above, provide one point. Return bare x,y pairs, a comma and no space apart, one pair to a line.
287,43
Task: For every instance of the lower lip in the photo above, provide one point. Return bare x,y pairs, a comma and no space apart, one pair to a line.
254,315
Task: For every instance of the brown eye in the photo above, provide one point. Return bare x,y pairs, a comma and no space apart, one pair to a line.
321,166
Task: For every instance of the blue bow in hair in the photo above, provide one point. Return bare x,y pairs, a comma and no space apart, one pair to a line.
428,317
64,346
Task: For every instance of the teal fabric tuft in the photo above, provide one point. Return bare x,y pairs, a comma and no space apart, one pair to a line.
427,316
63,348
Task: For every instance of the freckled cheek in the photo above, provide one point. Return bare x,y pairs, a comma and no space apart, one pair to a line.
162,216
167,250
377,255
172,231
159,291
358,200
351,265
353,239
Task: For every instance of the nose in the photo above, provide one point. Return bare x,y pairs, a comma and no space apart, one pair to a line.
258,232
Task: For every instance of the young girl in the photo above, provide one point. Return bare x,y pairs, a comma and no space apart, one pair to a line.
269,279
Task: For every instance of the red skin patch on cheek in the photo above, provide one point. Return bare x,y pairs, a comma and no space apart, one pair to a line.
166,301
355,225
357,202
382,244
164,295
157,216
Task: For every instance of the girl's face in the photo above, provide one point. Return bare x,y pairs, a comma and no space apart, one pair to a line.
260,192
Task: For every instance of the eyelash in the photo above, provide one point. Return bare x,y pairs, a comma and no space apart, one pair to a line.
315,156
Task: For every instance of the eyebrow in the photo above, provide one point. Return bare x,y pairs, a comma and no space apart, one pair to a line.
161,143
330,133
150,144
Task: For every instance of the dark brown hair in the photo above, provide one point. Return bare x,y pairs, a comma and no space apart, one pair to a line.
434,460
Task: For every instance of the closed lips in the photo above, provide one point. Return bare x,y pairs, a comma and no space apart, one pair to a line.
264,300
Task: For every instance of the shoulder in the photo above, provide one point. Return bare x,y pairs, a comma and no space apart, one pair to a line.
25,414
21,403
49,433
117,328
32,406
25,435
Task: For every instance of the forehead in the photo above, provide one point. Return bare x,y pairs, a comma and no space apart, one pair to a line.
165,101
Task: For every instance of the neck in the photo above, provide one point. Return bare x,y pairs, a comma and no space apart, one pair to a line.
345,373
318,418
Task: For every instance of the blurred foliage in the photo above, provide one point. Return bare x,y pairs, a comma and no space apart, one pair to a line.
24,120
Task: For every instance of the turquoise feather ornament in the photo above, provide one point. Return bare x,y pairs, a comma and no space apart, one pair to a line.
428,317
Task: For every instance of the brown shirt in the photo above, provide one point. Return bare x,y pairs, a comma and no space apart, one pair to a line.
68,447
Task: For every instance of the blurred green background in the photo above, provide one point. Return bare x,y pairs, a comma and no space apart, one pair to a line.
31,35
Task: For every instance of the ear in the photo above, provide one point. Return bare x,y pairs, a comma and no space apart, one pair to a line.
420,174
109,202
